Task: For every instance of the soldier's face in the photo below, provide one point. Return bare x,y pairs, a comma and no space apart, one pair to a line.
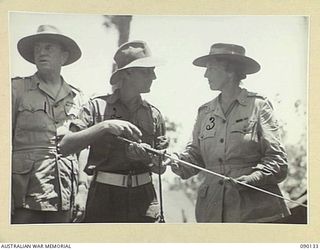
140,79
217,75
49,56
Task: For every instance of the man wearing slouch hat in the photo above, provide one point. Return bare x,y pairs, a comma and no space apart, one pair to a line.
122,189
44,109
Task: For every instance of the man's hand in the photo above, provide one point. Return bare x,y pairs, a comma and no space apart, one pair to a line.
80,204
137,152
123,128
162,142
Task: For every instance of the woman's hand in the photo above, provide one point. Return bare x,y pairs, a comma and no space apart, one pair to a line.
253,179
173,163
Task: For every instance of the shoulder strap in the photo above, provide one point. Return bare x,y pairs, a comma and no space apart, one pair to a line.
100,107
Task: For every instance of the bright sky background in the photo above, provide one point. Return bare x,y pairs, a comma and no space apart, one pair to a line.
278,43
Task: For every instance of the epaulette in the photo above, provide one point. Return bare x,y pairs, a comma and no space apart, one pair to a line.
253,94
154,107
17,78
205,105
74,88
21,82
93,97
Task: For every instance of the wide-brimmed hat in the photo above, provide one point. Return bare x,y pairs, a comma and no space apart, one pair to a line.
231,52
48,33
133,54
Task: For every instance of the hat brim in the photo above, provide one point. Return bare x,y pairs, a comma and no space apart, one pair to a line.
145,62
248,65
26,46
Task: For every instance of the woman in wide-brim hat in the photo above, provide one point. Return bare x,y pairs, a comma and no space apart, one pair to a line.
236,135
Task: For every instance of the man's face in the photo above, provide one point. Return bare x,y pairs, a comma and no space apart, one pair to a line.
49,56
140,79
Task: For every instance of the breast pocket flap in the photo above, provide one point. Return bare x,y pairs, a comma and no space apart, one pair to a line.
207,134
243,127
32,106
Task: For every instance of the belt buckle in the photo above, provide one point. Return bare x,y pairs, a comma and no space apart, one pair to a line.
129,180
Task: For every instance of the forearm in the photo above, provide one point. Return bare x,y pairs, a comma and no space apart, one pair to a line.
273,169
74,142
273,165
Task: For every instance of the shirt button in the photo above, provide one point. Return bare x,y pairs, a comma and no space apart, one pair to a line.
55,105
221,140
56,122
224,121
220,160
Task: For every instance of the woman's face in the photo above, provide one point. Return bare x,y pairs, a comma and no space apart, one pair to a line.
217,75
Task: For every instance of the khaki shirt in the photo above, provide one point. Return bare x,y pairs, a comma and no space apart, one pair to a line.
245,140
110,154
42,179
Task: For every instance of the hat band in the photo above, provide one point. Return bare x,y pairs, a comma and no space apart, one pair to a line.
224,51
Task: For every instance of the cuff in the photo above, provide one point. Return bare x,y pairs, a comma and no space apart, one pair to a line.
256,178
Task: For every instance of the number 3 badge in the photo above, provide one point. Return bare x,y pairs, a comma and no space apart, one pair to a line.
211,123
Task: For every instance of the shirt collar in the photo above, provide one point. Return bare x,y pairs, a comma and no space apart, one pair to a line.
114,97
65,89
215,106
242,97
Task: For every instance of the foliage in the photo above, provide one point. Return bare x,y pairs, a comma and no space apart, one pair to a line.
296,182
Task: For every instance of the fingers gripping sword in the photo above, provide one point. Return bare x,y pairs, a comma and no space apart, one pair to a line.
164,154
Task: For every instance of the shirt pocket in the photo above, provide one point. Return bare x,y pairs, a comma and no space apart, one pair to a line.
72,115
245,130
21,171
207,140
33,116
208,129
244,140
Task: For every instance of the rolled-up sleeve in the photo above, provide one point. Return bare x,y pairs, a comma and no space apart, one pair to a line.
274,164
85,118
17,88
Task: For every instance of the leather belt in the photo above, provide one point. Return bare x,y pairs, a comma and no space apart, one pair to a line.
121,180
